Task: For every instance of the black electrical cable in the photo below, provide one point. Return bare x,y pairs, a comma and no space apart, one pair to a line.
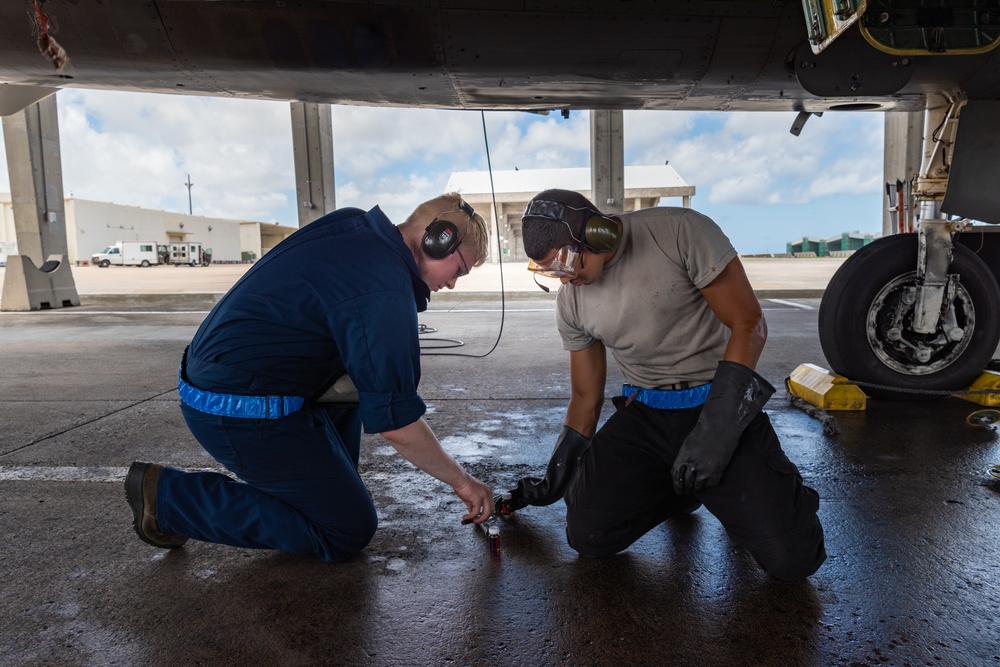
449,342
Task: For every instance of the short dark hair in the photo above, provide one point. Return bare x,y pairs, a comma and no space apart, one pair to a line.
543,234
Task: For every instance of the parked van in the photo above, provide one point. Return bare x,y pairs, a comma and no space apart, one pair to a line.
128,253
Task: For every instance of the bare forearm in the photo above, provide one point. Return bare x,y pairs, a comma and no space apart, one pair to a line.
582,415
746,342
418,445
588,372
731,298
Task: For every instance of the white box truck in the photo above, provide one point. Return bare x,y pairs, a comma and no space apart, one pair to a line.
128,253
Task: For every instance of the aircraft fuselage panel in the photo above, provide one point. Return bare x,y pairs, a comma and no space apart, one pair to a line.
694,55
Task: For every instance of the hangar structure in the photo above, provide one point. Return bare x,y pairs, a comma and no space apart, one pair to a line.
40,275
644,187
40,219
91,226
840,245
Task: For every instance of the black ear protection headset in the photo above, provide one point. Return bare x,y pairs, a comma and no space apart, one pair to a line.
599,233
441,237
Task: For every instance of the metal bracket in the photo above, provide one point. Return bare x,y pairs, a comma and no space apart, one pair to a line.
934,254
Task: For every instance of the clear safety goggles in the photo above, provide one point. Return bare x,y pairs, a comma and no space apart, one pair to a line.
564,264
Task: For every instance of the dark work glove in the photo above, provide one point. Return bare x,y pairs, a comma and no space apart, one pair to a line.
736,397
562,466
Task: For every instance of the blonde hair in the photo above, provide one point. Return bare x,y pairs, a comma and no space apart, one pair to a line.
472,232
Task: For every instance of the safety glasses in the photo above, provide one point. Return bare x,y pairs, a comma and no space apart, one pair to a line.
564,264
465,267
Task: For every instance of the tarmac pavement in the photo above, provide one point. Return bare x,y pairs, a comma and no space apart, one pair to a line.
775,277
912,578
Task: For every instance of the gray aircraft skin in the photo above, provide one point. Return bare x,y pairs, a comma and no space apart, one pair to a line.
905,313
642,54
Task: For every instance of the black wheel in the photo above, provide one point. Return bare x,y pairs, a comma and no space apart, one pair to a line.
866,316
145,263
104,264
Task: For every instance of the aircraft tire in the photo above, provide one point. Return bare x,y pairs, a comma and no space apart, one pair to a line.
856,322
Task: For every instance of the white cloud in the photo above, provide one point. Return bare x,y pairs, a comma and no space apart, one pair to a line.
397,196
397,158
651,134
370,139
752,158
555,142
138,149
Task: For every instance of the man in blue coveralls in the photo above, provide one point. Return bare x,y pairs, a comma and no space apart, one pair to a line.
318,339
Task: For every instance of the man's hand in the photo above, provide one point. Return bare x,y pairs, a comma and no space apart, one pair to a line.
478,498
736,397
417,444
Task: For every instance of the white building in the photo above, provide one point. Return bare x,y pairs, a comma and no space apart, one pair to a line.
92,226
644,188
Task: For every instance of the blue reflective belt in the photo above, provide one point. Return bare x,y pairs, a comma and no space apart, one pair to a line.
668,400
234,405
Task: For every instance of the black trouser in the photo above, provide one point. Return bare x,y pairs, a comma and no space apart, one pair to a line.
624,490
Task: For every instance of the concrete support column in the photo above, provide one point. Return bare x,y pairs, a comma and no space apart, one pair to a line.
607,160
490,217
312,145
39,276
33,158
506,241
901,162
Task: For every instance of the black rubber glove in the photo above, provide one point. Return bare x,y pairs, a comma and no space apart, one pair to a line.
562,466
736,397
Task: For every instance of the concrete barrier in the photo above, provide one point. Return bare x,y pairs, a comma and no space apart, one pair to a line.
27,287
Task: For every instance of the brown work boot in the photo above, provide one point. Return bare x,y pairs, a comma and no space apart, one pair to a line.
140,492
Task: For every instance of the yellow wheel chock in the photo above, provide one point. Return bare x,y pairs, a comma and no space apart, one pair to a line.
825,389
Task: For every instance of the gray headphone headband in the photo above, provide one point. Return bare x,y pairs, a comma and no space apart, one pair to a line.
597,237
547,209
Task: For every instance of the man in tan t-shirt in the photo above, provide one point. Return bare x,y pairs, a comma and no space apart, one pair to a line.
664,291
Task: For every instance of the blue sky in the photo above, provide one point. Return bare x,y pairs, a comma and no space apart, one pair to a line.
763,185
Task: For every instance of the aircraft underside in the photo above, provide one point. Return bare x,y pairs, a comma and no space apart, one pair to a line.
914,310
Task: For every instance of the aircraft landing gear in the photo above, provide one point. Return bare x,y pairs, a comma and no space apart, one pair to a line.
867,321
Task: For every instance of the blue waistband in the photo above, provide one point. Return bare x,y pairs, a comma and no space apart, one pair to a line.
235,405
668,400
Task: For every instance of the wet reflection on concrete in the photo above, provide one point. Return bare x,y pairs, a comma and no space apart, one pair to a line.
913,575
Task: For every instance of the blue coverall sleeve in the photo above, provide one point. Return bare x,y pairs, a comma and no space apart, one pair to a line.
378,340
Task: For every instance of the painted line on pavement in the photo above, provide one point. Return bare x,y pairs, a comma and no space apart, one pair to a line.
793,304
71,473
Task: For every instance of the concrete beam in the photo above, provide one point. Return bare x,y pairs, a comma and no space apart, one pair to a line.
312,145
607,160
39,276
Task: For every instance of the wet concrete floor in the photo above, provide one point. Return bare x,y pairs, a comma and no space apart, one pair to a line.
912,524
